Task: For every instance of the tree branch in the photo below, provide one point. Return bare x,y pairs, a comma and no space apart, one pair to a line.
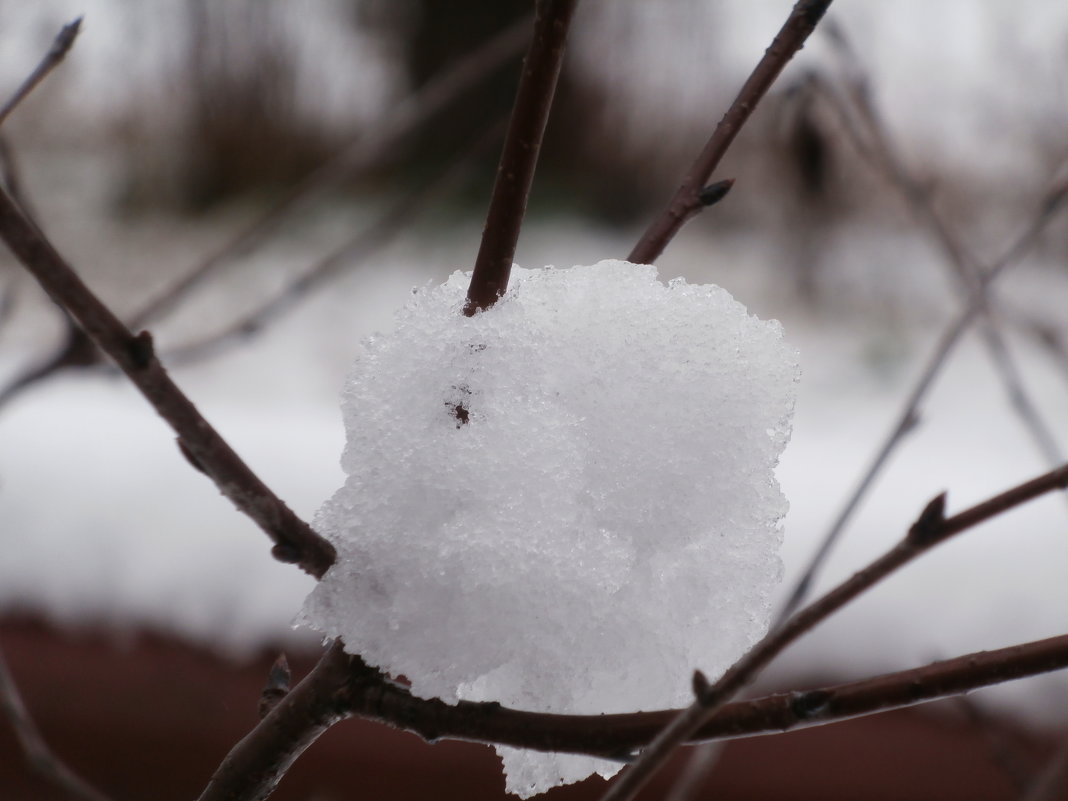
519,157
38,755
61,45
909,416
930,529
294,539
686,203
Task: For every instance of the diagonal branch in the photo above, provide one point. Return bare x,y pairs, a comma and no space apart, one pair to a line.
519,157
930,529
686,203
38,755
61,45
294,539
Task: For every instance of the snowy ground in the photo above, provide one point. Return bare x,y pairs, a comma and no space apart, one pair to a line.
104,522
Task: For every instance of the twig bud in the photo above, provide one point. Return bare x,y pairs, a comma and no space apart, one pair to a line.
714,193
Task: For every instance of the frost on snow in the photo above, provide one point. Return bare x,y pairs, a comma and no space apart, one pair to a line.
565,503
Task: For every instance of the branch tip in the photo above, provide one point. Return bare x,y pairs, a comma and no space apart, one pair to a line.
700,686
277,686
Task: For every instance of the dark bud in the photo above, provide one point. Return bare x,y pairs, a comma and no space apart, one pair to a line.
700,686
714,193
141,350
929,525
277,686
189,456
811,704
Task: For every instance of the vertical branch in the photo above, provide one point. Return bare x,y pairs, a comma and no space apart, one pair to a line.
522,144
687,202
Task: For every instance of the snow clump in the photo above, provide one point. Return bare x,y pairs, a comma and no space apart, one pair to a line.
565,503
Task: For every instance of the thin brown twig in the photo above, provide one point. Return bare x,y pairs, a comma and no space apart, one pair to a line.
38,755
295,541
61,45
930,529
686,203
519,156
354,252
403,119
1050,205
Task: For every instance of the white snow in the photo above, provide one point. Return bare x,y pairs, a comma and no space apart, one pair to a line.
602,521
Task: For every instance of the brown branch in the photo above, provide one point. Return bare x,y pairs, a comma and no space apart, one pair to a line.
930,529
36,751
294,539
403,119
519,156
686,203
61,45
255,765
1050,205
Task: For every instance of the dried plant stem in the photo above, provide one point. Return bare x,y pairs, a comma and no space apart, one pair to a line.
519,157
930,529
294,539
38,755
61,45
686,203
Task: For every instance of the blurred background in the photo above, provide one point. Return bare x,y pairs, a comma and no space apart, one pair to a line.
312,161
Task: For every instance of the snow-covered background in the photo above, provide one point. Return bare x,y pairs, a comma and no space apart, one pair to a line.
103,522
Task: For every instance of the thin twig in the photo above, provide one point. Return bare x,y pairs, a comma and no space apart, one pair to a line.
686,203
403,119
36,751
1053,202
930,529
61,45
354,252
964,265
519,156
255,765
295,541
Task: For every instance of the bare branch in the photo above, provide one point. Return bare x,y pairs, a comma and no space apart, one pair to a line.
256,764
519,157
294,539
930,529
38,755
686,203
61,45
1053,202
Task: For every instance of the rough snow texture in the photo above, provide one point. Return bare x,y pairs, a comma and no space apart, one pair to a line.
606,519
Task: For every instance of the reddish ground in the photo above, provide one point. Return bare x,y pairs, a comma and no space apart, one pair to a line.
151,718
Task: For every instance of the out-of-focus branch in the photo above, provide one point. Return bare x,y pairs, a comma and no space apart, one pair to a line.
885,157
1052,783
686,203
1051,204
38,755
294,539
354,252
929,530
404,118
61,45
519,156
